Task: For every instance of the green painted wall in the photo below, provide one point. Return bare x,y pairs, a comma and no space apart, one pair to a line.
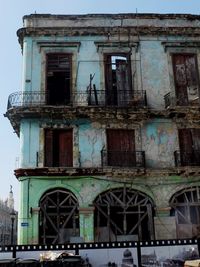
86,190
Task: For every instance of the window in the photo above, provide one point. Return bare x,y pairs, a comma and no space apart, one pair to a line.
118,79
189,142
123,214
58,79
186,78
59,220
58,148
121,151
186,208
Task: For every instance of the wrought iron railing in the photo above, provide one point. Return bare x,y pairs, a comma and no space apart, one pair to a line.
23,99
126,98
123,158
183,158
167,99
183,100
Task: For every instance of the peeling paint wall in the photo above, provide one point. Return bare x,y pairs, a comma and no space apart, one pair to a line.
155,76
29,143
91,142
159,143
157,137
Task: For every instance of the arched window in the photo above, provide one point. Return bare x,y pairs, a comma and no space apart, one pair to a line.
58,216
123,214
186,209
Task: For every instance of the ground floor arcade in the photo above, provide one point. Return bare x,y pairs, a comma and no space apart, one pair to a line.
98,209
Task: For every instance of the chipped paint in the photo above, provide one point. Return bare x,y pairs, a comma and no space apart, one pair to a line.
150,39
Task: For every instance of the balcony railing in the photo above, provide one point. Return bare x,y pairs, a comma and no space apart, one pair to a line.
183,158
181,100
90,98
123,158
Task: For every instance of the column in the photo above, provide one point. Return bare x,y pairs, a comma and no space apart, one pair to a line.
86,221
164,224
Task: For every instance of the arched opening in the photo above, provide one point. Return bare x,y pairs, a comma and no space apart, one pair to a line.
59,220
123,214
186,209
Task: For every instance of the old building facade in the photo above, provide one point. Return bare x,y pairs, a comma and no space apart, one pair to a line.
8,221
108,121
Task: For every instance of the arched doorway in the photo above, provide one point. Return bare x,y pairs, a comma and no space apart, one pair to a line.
123,214
58,217
186,209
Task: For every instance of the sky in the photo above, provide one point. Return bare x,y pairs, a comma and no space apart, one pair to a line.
11,13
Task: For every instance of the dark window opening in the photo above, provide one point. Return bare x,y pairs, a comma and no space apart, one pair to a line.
186,79
58,148
58,79
118,79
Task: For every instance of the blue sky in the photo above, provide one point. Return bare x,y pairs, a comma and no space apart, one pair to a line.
11,13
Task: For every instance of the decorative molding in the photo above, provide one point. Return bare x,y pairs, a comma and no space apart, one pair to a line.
86,210
44,44
181,44
118,44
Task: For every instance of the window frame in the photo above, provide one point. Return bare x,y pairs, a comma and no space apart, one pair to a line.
180,47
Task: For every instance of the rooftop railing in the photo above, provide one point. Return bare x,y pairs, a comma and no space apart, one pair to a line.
125,98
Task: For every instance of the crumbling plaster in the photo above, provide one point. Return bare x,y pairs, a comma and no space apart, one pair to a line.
159,140
111,20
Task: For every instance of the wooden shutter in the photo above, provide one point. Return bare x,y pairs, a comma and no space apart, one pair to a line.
48,148
196,138
186,147
123,89
65,149
121,147
121,140
196,146
185,140
186,78
109,80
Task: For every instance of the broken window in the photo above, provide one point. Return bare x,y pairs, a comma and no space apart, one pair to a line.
186,78
58,148
123,214
186,209
118,79
59,220
189,142
58,79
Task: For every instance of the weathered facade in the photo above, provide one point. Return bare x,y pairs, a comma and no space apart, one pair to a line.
108,121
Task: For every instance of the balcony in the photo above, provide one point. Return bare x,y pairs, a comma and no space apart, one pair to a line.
183,158
123,159
100,98
185,100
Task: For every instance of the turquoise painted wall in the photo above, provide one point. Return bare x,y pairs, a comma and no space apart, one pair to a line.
155,74
91,142
159,141
29,143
